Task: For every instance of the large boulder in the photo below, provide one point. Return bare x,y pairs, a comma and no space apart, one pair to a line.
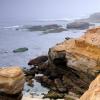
11,83
93,93
11,80
78,25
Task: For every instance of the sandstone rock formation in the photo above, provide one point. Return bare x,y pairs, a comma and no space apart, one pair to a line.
81,54
79,58
93,93
11,83
71,65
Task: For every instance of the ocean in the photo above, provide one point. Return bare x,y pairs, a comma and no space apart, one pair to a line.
36,42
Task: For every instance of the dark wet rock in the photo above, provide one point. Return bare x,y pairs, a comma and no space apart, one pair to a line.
69,98
29,72
60,87
45,78
37,61
53,75
54,95
29,77
20,50
67,38
43,67
62,90
30,83
45,81
78,25
17,96
39,79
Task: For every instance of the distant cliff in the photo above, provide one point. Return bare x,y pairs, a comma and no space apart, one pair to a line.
95,18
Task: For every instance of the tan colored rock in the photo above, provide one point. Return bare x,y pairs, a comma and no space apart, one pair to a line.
82,54
93,93
78,59
92,36
11,80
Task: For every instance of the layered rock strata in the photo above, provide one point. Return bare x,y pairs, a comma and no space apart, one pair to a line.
79,58
70,67
81,54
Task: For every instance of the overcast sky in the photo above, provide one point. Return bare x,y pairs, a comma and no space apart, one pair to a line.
47,9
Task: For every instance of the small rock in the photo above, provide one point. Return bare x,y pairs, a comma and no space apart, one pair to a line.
20,50
67,38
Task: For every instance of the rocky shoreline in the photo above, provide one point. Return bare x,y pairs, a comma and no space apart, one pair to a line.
67,70
69,67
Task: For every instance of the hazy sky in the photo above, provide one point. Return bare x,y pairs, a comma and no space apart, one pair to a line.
47,9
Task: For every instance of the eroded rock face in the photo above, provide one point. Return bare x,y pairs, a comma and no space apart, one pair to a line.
81,54
93,93
78,60
11,80
71,65
92,36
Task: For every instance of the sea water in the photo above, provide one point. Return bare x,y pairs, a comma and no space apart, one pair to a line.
36,42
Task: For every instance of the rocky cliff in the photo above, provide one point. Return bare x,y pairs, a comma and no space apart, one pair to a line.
81,54
70,66
79,58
